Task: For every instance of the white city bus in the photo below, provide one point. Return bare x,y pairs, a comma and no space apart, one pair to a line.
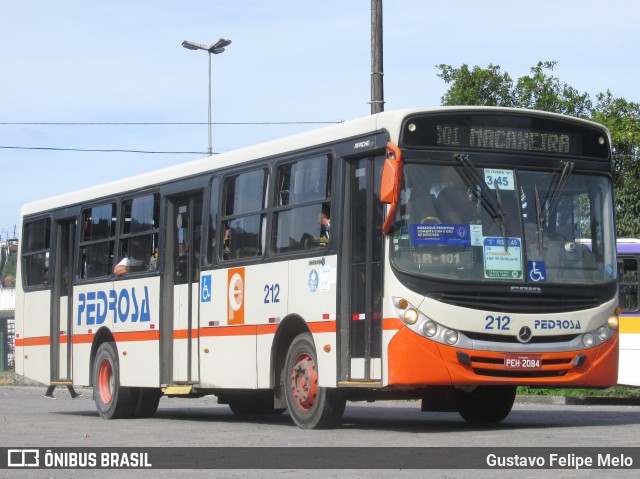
427,254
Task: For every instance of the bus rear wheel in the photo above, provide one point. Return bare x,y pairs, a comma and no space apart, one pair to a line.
112,400
310,406
486,404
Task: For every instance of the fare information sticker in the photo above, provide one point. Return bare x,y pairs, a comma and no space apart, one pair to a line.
447,234
503,179
501,262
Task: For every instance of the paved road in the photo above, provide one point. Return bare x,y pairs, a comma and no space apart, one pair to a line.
29,420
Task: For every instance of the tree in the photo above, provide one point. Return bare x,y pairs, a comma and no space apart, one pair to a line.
623,120
482,87
541,90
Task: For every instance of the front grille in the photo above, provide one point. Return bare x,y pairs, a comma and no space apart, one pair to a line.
500,338
494,367
545,362
549,303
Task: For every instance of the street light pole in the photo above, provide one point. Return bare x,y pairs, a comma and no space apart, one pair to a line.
215,48
377,88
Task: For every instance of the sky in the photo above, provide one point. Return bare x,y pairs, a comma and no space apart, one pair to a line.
292,66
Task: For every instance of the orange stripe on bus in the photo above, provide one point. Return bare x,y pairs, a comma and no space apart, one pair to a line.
180,334
323,327
137,336
260,329
154,335
83,338
37,341
229,331
123,337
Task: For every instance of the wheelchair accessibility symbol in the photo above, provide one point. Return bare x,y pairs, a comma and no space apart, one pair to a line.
537,271
205,289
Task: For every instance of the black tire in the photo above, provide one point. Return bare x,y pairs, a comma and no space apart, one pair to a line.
112,400
256,403
146,401
486,404
310,406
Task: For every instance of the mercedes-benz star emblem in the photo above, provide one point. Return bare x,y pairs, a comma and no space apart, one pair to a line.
524,336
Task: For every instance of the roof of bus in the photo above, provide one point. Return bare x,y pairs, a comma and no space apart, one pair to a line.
389,121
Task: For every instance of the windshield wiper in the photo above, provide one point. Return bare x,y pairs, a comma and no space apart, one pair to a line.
560,178
539,221
481,191
502,216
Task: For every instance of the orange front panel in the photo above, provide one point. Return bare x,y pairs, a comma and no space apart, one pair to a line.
415,360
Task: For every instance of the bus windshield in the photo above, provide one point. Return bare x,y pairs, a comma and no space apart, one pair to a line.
469,223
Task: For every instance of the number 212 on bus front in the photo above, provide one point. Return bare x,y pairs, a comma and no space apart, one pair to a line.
497,322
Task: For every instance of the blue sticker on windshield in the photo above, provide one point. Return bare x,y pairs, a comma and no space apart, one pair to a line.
436,234
537,271
609,269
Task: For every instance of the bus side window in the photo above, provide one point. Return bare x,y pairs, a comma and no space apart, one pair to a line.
36,244
138,245
244,213
213,223
628,284
302,220
97,240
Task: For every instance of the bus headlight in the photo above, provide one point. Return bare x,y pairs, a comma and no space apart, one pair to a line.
613,322
429,329
411,316
588,340
451,336
603,333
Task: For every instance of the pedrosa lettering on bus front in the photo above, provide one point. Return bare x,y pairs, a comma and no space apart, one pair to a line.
122,305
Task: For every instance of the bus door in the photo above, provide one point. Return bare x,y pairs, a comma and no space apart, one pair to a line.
61,308
361,273
181,289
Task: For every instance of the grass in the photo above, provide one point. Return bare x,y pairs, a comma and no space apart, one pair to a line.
616,391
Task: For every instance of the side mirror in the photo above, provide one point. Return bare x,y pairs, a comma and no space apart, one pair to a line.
391,175
390,183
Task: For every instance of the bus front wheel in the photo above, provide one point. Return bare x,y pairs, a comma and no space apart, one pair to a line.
310,406
486,404
112,400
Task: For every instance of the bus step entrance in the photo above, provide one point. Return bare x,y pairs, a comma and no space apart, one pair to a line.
178,390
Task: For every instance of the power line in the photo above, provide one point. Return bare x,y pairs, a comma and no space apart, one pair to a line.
101,150
120,123
104,150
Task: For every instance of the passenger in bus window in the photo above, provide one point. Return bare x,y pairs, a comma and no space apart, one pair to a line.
325,223
134,259
226,242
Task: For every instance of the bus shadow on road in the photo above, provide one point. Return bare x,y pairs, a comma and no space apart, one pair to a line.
412,419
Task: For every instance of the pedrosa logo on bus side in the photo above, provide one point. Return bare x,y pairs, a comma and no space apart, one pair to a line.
122,305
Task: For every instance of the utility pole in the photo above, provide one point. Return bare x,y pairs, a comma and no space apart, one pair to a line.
377,88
